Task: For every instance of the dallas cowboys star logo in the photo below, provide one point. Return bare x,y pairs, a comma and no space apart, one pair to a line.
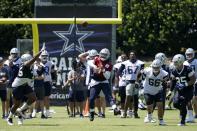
73,38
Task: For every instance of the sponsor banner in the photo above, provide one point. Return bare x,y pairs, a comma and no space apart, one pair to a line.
65,42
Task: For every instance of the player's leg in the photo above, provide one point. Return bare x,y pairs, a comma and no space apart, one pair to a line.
108,97
159,98
17,97
129,99
122,94
195,100
135,105
149,102
94,92
48,87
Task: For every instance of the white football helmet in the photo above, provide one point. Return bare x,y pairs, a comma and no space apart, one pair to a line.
178,60
162,57
104,54
156,65
44,56
14,52
26,57
93,53
189,54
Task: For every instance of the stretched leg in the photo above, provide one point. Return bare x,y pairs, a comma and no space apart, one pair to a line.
94,91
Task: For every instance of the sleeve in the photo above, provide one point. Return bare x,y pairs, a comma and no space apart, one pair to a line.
122,67
190,72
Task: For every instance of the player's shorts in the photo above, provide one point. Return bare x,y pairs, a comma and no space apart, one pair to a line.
150,99
47,88
122,93
77,96
130,89
39,90
3,95
20,91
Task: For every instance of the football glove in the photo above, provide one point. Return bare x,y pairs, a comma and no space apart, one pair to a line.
179,86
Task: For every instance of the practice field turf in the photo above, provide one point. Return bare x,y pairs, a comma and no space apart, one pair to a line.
61,122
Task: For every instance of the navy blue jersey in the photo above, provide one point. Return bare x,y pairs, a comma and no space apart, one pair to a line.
3,74
13,70
182,77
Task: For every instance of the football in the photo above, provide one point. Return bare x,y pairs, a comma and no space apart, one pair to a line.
84,24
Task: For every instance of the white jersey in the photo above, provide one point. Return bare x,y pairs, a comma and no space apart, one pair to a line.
47,73
153,84
192,64
17,62
132,69
122,81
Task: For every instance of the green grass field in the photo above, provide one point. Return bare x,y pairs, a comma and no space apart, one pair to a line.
61,122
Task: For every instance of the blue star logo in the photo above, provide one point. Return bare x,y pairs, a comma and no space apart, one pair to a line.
73,38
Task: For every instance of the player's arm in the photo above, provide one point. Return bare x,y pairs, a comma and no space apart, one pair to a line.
83,56
29,63
192,80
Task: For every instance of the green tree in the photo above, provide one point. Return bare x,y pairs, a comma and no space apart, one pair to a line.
150,26
9,33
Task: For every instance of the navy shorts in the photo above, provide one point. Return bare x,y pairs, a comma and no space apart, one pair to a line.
20,91
47,88
150,99
3,95
39,89
77,96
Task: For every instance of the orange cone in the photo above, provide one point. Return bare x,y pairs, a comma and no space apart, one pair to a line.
86,109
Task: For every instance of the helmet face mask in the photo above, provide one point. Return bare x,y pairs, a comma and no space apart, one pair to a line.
44,56
156,66
189,54
104,54
178,60
162,57
14,53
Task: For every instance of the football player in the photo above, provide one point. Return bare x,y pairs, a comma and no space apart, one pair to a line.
132,68
191,61
22,86
182,81
154,77
48,68
101,71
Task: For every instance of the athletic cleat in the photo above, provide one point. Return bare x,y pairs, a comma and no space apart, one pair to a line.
81,116
190,120
162,123
43,116
116,112
33,115
149,120
20,121
123,115
130,114
10,121
181,124
91,116
136,116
